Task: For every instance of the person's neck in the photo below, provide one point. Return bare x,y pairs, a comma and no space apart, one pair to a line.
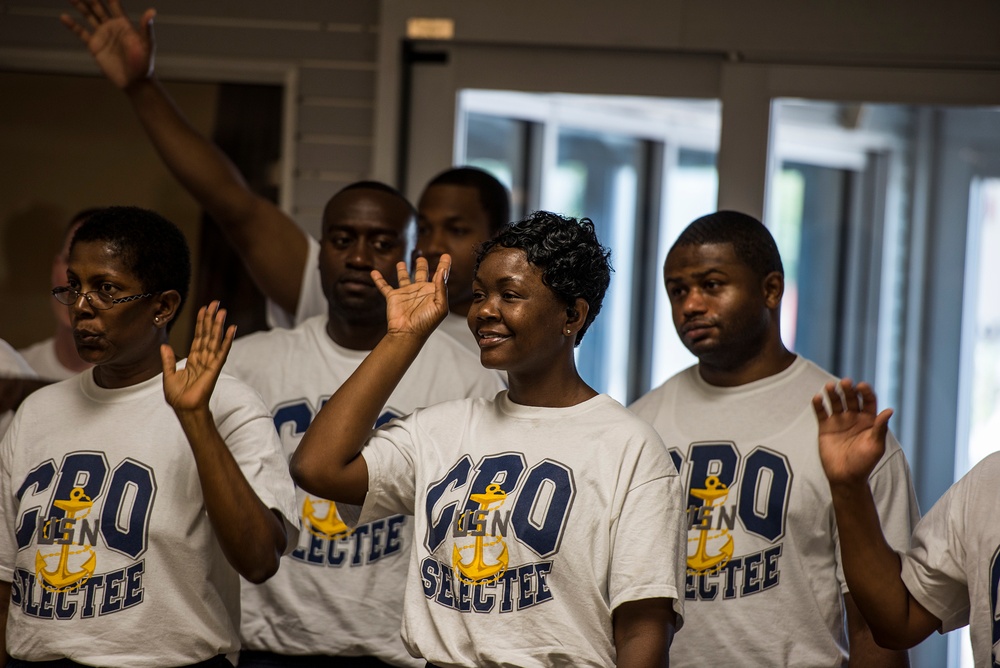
557,387
770,361
113,376
65,350
355,334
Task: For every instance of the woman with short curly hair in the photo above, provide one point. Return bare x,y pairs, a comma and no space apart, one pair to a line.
549,519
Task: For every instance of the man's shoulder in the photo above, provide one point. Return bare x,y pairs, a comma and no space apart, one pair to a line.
252,347
813,373
442,348
648,404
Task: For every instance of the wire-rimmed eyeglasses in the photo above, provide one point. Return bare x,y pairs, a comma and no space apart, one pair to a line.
96,298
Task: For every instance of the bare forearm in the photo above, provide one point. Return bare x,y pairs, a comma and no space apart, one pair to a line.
271,245
252,537
865,652
326,461
643,632
872,571
194,160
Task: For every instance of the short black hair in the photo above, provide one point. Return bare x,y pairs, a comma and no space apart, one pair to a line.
152,247
493,195
574,264
751,241
380,187
82,215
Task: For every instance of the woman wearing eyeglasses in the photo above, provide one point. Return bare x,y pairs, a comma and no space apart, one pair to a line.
134,495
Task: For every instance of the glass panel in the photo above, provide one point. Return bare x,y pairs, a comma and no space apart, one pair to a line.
498,145
692,192
601,156
979,393
984,337
597,175
808,221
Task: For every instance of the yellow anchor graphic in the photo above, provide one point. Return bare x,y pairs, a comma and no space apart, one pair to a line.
477,571
329,526
60,578
700,562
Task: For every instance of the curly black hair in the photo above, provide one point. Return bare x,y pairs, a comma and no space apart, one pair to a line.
152,247
574,264
751,241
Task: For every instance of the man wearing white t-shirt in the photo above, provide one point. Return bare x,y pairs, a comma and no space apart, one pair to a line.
459,209
765,584
339,594
951,575
56,358
17,379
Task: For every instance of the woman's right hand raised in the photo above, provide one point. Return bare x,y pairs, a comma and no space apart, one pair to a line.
124,53
418,305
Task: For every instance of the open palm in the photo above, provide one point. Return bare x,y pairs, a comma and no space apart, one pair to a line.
123,52
190,388
851,434
417,306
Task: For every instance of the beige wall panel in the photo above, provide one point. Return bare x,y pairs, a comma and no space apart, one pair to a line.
70,143
324,120
351,84
321,157
258,42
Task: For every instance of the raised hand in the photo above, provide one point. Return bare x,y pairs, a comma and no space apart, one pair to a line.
851,433
417,306
190,388
124,54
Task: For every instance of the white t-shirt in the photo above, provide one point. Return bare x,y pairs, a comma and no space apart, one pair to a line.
42,358
953,568
12,365
765,585
531,526
341,596
137,577
312,303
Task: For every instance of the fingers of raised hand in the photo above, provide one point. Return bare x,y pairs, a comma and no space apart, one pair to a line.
819,407
443,269
213,320
402,275
869,402
97,9
168,359
380,282
77,29
830,401
850,394
197,343
115,6
91,10
420,270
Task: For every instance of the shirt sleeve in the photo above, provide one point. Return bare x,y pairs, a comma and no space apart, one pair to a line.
8,505
311,299
248,430
390,454
648,535
895,501
934,568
